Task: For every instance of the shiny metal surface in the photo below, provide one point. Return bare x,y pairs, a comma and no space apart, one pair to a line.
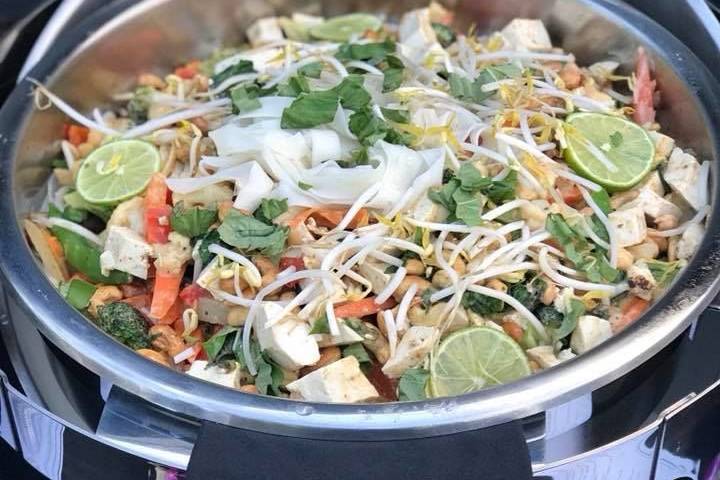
158,34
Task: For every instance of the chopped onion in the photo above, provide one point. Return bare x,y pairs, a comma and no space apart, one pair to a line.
391,286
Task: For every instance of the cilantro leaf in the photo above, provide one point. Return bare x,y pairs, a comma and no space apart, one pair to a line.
248,233
192,222
270,208
310,110
412,385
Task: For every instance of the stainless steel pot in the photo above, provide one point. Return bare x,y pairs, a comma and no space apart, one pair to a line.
105,53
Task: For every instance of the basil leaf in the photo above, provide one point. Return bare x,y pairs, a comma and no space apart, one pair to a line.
211,237
320,325
444,194
358,351
310,110
445,35
352,94
244,99
271,208
192,222
397,116
369,128
269,376
482,304
468,207
242,66
214,344
602,199
248,233
393,73
576,309
471,178
369,52
412,385
295,85
502,190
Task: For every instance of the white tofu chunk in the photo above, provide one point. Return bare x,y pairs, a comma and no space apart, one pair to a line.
527,34
641,280
215,374
543,355
126,251
654,205
630,226
340,382
690,241
288,342
411,351
346,336
682,173
565,355
664,145
416,35
652,182
130,214
426,210
263,31
375,273
590,331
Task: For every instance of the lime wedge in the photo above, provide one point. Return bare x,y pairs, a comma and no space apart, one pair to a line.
340,29
623,152
474,358
117,171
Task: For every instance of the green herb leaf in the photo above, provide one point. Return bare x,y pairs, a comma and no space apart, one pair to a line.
58,163
248,233
294,86
471,91
304,186
482,304
444,194
527,293
502,190
139,104
576,309
471,179
214,344
445,35
212,236
663,272
245,98
358,351
311,70
616,139
269,376
549,317
242,66
310,110
352,94
369,52
602,199
393,73
468,207
74,200
271,208
320,325
412,384
397,116
192,222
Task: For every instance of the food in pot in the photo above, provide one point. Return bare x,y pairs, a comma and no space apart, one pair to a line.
353,210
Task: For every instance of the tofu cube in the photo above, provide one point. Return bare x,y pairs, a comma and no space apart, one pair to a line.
690,241
664,145
654,205
346,336
126,251
543,355
411,351
428,211
375,273
630,226
525,34
340,382
682,173
226,377
652,182
590,331
288,342
641,280
416,35
263,31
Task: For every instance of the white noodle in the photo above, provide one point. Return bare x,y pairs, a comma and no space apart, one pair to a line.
519,307
391,286
391,330
67,225
576,284
401,319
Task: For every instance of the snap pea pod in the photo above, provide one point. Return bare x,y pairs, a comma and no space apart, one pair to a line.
78,292
84,257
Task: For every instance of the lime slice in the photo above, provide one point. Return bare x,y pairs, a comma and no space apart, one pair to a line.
626,152
340,29
117,171
474,358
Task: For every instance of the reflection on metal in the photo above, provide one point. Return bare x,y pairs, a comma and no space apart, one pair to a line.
6,426
567,416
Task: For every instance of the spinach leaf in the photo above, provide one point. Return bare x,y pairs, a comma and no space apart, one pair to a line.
242,66
482,304
310,110
445,35
192,222
527,293
248,233
358,351
412,385
271,208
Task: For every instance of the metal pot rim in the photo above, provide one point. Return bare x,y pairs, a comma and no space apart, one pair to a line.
75,335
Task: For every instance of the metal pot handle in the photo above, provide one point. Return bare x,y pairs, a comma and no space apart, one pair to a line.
496,453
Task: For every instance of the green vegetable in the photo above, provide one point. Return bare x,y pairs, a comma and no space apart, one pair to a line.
84,257
304,186
528,339
445,35
358,351
242,66
372,53
468,206
245,98
294,86
192,222
271,208
527,293
58,163
214,345
310,110
320,325
602,199
74,200
311,70
269,375
248,233
663,272
412,385
471,90
343,27
549,317
369,128
616,139
352,94
575,309
78,292
357,157
393,73
139,104
397,116
482,304
212,236
125,324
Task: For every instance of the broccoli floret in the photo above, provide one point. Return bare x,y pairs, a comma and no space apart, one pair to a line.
125,324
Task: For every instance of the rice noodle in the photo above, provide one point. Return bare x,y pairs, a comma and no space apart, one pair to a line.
175,117
401,319
576,284
391,286
391,329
